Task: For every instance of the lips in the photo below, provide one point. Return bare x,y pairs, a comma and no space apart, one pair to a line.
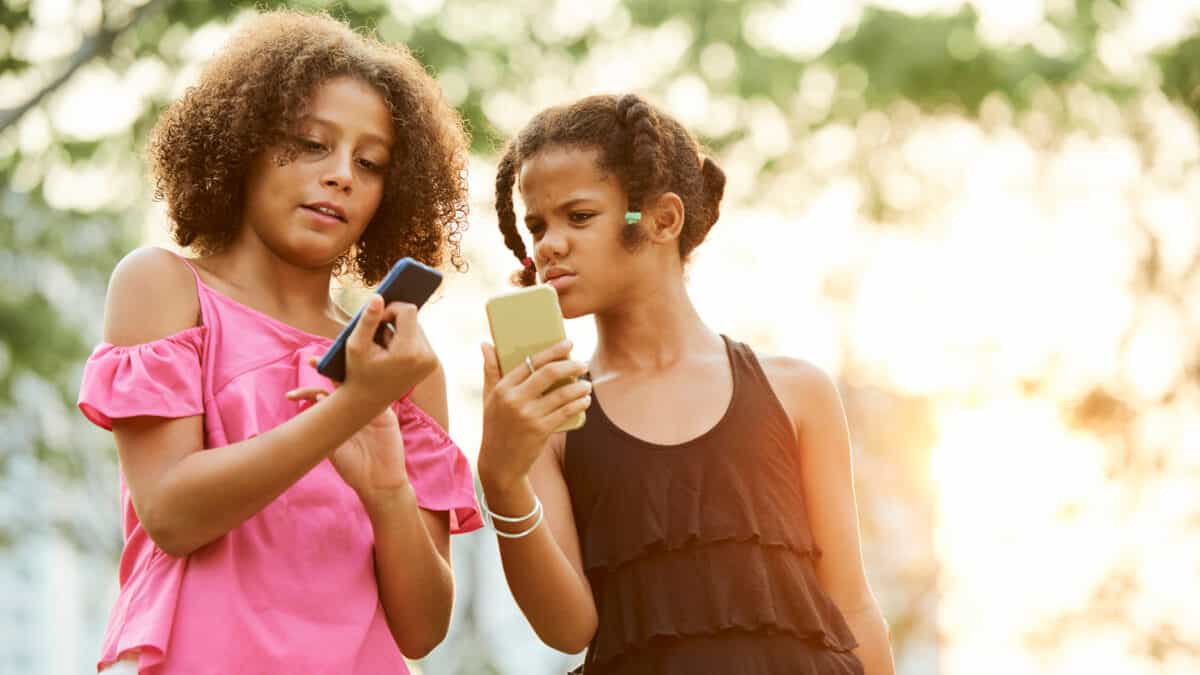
559,278
556,272
328,210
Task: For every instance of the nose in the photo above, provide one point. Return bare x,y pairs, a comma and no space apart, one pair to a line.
553,244
338,171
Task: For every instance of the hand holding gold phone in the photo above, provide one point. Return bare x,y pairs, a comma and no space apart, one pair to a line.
524,322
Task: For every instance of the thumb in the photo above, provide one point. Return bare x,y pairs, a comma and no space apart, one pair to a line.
491,368
368,322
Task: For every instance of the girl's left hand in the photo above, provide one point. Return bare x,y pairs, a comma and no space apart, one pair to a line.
372,460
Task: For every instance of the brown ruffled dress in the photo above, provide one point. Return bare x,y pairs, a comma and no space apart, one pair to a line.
700,555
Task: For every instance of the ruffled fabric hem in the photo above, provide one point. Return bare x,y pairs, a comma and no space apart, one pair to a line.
676,505
438,469
143,657
739,586
733,652
142,617
684,541
161,378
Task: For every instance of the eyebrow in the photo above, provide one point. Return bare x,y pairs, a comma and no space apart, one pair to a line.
371,137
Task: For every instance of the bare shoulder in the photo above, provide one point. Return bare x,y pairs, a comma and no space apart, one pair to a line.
795,372
151,294
805,389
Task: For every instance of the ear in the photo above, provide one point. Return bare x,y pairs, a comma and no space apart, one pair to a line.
665,218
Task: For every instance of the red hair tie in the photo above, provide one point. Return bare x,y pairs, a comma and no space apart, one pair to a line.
526,262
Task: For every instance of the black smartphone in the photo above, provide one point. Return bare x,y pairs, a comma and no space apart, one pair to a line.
408,281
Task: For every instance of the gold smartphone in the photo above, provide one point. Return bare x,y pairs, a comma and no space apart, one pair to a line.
525,322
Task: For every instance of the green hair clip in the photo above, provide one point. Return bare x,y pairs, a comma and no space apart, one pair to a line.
633,217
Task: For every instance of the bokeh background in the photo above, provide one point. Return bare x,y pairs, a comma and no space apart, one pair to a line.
982,217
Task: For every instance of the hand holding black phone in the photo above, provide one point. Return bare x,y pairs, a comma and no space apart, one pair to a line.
408,281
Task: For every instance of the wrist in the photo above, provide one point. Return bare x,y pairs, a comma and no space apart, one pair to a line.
384,504
507,495
497,482
358,403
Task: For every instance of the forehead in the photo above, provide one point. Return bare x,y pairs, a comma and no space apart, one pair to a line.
558,173
352,104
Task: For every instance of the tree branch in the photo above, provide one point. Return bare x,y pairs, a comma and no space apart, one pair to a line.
99,44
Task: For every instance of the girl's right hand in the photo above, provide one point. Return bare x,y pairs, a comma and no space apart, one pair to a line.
519,414
386,374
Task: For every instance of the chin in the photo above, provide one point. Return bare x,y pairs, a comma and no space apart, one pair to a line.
315,252
573,308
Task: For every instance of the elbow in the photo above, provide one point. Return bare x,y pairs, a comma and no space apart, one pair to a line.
569,644
167,534
419,646
417,652
416,641
570,639
169,541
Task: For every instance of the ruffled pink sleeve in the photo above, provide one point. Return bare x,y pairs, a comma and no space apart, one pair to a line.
437,468
159,379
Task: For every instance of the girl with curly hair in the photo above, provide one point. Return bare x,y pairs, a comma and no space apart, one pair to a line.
266,531
703,519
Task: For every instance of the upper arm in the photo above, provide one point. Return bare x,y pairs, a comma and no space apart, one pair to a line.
826,473
548,482
151,295
430,396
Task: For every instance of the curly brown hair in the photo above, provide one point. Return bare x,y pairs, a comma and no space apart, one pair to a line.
249,100
649,151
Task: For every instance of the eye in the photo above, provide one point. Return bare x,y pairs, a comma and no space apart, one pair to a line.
579,217
536,230
309,145
371,166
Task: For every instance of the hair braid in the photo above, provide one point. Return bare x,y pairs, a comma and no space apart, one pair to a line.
506,175
642,124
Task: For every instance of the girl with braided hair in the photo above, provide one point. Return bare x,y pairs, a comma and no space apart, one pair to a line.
703,519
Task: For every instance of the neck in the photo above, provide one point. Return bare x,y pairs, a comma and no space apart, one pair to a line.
651,331
249,265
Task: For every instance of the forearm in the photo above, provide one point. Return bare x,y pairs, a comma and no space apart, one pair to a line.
210,492
416,585
556,600
871,631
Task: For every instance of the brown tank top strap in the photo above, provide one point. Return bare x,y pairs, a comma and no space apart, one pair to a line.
758,397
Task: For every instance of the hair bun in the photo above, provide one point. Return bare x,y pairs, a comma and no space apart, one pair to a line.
714,188
632,107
